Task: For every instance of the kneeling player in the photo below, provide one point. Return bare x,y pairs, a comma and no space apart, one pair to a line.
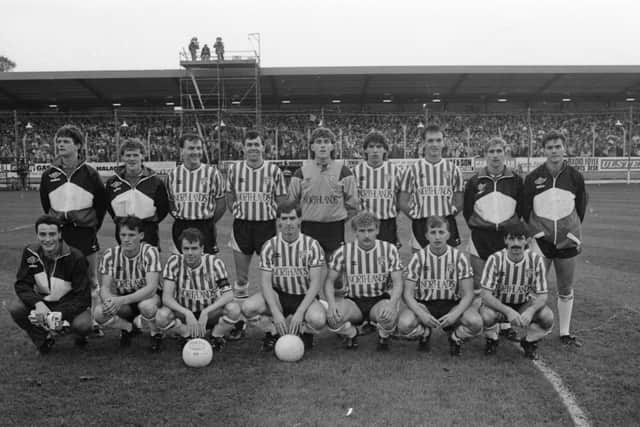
514,287
52,288
130,274
368,265
291,267
438,292
196,294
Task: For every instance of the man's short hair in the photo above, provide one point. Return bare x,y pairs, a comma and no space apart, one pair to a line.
323,132
132,145
436,222
364,219
376,137
70,131
188,137
493,142
132,223
191,235
251,135
431,128
49,220
552,136
518,229
287,206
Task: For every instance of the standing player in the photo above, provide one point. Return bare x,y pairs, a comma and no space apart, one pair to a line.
492,201
373,274
196,294
514,288
378,183
254,189
291,276
72,191
326,191
196,194
136,190
130,277
52,281
555,202
432,186
438,292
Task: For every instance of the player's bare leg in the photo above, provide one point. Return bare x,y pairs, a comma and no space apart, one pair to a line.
242,262
386,327
315,319
345,325
257,313
409,327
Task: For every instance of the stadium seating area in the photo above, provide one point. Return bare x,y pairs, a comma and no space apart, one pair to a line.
286,134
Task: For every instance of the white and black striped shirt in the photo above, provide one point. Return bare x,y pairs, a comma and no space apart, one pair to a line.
255,190
193,193
438,277
129,274
514,282
377,188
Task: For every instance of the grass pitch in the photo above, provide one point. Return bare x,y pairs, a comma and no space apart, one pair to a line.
105,385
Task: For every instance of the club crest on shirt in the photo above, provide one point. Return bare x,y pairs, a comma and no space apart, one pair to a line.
451,270
55,175
481,187
266,180
541,180
381,261
32,260
116,184
274,257
203,180
529,274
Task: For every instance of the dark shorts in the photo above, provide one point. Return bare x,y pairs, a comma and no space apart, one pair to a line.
150,230
206,226
250,236
365,304
289,302
439,308
388,231
550,251
419,228
84,239
487,242
330,235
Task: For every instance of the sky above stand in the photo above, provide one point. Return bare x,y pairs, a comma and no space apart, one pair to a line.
69,35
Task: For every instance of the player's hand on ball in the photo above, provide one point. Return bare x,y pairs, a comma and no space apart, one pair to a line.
280,323
295,325
193,326
514,318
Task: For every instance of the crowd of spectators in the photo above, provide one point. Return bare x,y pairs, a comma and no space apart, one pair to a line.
286,135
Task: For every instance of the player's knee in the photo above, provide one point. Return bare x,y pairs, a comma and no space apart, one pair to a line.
489,317
17,308
232,310
148,307
98,314
250,307
82,323
544,318
407,321
164,317
473,321
316,317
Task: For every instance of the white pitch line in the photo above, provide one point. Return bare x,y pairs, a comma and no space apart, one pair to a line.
578,416
20,227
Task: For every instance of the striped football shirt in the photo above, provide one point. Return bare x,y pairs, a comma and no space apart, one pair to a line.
255,190
197,288
438,277
193,193
431,187
130,274
289,263
513,282
367,272
377,188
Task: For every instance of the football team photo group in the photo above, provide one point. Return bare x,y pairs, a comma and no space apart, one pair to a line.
310,279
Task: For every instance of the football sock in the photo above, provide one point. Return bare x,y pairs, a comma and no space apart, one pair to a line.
223,327
565,307
535,332
491,332
385,330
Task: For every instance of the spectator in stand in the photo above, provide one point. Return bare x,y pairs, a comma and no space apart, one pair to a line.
205,54
193,48
219,47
